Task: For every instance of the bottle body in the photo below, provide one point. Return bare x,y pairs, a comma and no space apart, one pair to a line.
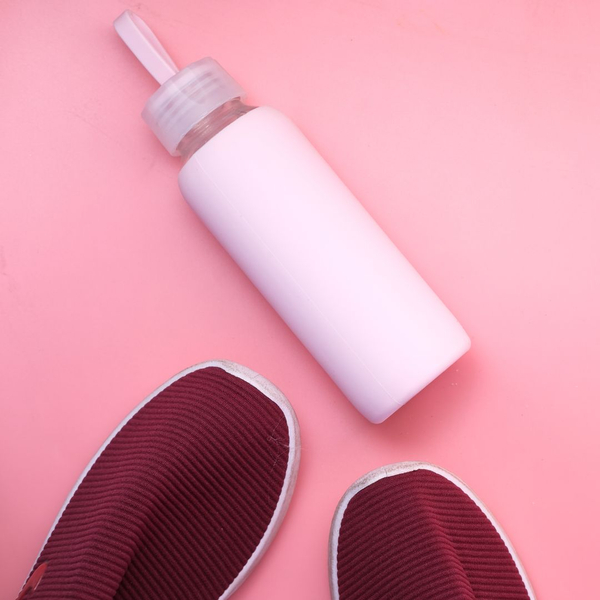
321,261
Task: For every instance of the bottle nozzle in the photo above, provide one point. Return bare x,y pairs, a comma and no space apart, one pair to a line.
140,39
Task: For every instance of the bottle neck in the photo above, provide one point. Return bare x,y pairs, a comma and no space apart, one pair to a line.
208,127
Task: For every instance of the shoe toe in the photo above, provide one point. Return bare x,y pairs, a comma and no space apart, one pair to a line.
183,499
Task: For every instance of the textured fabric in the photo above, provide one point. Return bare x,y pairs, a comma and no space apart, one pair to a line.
417,536
177,502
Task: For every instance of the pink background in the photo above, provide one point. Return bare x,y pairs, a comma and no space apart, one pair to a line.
470,130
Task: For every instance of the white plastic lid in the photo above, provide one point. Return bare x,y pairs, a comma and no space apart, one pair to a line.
184,97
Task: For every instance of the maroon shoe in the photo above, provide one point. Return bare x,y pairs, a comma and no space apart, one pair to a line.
413,531
182,499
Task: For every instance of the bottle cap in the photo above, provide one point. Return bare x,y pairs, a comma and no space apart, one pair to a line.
185,97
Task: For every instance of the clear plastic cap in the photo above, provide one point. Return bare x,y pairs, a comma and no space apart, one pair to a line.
185,97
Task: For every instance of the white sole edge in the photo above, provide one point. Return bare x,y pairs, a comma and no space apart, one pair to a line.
397,469
275,395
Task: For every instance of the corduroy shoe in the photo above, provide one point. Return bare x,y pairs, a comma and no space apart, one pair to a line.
413,531
182,499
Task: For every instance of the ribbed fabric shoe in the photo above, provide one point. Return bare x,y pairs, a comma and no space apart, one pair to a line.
182,499
413,531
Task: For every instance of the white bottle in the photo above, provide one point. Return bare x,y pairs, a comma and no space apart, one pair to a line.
299,234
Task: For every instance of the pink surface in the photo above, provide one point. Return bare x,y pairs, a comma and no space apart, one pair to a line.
471,135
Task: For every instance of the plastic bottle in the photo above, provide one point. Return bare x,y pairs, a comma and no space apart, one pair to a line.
298,233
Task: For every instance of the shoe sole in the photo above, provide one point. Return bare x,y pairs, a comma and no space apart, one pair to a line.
397,469
274,394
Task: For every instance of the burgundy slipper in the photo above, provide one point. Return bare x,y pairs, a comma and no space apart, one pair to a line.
413,531
182,499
